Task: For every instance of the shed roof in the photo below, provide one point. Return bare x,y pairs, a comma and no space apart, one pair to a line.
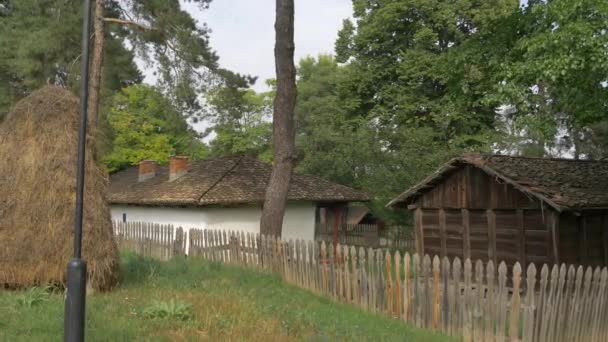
220,181
564,184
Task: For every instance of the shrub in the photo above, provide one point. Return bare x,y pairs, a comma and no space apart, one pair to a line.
32,297
169,310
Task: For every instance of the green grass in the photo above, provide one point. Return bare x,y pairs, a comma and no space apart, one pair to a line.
199,301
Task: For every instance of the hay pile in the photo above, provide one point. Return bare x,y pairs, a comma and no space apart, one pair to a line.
38,143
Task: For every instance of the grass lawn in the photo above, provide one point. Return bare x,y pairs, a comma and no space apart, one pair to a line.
227,304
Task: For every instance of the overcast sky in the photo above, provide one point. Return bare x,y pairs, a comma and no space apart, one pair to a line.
243,31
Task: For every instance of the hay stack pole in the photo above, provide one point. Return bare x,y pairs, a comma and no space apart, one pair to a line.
75,299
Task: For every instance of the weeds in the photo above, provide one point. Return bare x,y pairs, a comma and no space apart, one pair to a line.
169,310
33,297
228,304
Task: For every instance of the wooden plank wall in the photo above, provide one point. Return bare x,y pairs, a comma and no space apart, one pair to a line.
478,223
584,239
484,218
538,242
470,214
454,232
472,188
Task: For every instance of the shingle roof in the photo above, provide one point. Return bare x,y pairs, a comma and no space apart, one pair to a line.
221,181
565,184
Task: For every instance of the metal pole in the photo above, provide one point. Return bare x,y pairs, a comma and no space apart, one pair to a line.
77,268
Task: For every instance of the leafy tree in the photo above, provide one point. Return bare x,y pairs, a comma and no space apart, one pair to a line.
333,144
326,141
554,76
146,125
39,44
419,63
166,37
240,119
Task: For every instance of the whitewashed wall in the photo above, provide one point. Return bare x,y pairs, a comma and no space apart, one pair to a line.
298,223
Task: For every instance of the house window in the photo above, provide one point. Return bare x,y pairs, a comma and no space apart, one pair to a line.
124,217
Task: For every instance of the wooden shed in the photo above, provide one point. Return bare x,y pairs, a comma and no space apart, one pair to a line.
512,209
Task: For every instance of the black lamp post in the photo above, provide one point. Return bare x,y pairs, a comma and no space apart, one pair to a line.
77,268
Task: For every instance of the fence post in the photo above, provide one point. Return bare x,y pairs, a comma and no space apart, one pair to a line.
179,242
569,305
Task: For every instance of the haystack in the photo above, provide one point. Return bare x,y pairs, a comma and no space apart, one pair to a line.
38,143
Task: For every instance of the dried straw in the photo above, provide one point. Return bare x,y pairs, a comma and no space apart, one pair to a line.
38,143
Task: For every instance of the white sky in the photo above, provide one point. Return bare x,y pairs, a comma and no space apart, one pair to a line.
243,32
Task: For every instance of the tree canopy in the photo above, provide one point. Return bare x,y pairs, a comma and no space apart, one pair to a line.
412,83
415,82
39,44
146,126
554,76
240,120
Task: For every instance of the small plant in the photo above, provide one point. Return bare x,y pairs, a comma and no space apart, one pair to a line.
168,310
33,297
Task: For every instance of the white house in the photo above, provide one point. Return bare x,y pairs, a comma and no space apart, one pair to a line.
224,193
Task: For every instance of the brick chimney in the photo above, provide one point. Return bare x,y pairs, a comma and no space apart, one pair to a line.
178,165
147,170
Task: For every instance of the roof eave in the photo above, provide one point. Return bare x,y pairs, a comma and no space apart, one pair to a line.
412,191
409,194
230,202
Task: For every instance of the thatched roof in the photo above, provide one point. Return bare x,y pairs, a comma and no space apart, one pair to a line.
38,143
564,184
220,181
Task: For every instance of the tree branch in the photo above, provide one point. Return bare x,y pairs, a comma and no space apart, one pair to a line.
127,22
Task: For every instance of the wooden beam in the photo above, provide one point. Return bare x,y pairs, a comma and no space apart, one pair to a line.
412,206
554,219
582,239
419,231
604,229
466,234
337,224
442,224
491,215
521,234
464,197
493,195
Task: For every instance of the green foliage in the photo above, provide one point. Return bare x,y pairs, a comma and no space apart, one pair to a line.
422,81
33,297
412,92
40,44
228,304
554,75
336,144
241,121
416,63
146,126
175,46
168,310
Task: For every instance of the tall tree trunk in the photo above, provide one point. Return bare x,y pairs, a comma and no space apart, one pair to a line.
96,66
283,132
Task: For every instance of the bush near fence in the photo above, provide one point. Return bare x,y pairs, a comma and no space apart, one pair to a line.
475,301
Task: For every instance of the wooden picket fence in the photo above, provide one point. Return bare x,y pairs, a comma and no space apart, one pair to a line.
476,302
369,235
469,300
150,240
399,238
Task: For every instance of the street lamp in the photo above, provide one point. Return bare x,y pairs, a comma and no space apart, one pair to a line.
77,268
